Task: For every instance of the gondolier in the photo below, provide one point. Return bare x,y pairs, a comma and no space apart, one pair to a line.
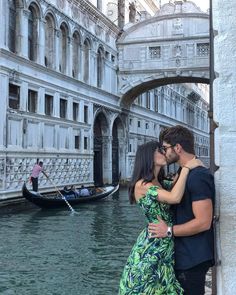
37,169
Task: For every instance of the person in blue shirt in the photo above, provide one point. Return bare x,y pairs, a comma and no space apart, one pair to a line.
193,216
84,192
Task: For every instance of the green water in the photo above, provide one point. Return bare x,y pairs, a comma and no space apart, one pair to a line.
56,252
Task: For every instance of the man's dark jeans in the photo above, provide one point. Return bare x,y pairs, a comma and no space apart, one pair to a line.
34,183
193,280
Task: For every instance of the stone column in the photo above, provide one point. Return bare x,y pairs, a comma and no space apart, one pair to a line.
4,86
57,44
69,57
41,101
92,68
56,104
123,148
121,13
224,89
80,61
70,108
22,34
81,111
90,113
107,159
41,42
24,96
99,6
3,24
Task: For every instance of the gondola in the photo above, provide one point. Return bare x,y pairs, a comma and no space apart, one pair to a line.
55,200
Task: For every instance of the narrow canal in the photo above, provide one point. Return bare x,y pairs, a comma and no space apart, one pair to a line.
55,253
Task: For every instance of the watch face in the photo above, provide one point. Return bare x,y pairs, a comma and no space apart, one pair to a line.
169,232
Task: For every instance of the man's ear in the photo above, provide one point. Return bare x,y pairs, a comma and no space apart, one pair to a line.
178,148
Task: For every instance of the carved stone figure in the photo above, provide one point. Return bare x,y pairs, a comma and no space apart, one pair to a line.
132,12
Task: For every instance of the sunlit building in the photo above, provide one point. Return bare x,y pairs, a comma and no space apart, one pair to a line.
60,101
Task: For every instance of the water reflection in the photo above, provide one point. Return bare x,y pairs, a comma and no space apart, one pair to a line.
54,252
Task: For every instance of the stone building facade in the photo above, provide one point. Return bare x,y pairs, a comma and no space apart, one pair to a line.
60,101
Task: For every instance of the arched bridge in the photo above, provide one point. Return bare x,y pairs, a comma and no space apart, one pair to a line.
171,47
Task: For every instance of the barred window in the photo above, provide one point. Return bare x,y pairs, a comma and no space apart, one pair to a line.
85,143
75,111
77,139
203,49
48,105
155,52
148,100
32,101
85,114
63,108
14,96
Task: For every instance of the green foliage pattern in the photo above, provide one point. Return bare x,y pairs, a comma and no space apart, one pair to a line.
150,266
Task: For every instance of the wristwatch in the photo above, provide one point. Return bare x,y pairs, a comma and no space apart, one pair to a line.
169,232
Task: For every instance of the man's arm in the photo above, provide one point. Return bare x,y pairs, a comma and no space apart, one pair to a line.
203,214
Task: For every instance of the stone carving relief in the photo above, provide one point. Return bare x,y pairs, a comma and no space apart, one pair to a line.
155,29
107,36
132,12
75,11
85,20
177,51
124,82
177,26
61,4
98,30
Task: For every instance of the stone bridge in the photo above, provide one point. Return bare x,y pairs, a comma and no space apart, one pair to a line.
171,47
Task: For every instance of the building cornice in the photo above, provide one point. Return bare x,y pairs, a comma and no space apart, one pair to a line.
95,15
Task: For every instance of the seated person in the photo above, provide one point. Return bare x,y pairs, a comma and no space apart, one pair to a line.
84,192
66,189
75,191
92,191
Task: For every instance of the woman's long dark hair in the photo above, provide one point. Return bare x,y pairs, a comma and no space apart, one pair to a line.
144,167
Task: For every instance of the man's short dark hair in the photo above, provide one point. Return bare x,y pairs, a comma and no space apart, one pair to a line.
162,134
181,135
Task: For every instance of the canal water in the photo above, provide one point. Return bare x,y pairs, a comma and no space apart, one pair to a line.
54,252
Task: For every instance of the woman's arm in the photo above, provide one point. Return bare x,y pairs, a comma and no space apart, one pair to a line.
176,194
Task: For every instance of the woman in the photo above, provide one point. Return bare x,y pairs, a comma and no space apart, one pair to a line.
150,266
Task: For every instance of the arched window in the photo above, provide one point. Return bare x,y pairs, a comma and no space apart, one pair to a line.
100,67
63,48
86,61
32,34
12,26
49,41
76,54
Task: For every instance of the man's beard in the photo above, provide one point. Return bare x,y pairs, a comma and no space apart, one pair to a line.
173,158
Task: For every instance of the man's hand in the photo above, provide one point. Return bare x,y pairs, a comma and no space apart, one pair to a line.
158,230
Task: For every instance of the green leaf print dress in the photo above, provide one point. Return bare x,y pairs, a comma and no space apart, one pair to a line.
150,266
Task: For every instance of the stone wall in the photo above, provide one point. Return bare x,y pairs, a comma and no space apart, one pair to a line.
224,24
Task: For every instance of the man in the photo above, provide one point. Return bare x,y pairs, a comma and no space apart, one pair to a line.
38,167
192,230
84,192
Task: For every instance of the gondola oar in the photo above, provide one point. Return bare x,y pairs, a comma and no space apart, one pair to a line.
63,197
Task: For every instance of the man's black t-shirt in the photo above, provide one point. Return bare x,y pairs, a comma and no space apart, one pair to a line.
193,250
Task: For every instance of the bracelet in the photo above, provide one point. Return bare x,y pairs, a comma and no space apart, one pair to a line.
186,167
